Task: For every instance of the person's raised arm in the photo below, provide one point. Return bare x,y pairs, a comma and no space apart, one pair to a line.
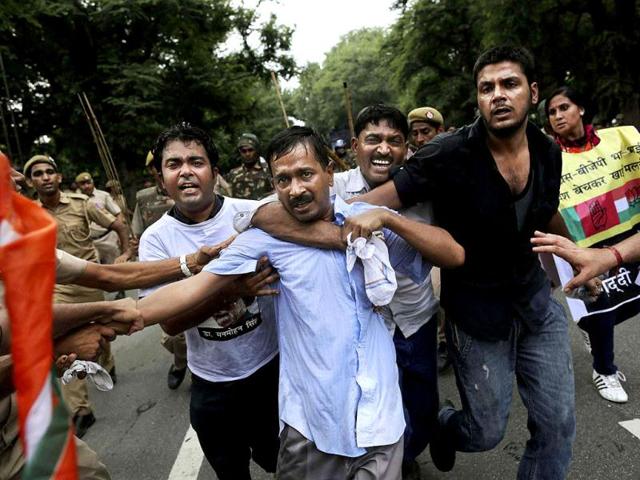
146,274
185,304
123,235
435,244
122,314
277,222
587,262
385,195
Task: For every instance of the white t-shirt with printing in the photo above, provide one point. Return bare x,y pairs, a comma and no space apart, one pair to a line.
216,351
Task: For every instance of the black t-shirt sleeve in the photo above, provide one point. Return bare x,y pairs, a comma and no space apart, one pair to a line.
413,181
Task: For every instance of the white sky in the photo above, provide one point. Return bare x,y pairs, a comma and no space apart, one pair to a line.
319,24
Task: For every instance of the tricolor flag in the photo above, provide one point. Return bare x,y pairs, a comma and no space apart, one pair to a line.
27,268
600,213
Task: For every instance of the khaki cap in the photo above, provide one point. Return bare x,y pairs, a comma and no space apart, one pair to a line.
38,159
83,177
425,114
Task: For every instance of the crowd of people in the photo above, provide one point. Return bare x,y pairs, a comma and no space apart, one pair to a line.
337,297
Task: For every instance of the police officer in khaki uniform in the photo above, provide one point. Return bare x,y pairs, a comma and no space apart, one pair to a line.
250,180
73,214
105,240
424,124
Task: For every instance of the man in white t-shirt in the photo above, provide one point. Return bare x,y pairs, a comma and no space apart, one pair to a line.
232,355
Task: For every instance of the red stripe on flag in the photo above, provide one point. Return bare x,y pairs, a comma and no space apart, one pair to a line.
28,272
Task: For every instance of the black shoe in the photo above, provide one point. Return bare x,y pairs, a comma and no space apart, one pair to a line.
444,360
112,374
82,423
411,470
442,447
175,377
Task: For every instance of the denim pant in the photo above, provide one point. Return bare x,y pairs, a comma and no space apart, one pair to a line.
238,420
541,361
418,374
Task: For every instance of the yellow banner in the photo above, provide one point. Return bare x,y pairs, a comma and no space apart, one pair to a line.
600,189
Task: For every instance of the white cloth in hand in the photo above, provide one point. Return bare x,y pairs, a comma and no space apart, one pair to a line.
98,375
379,276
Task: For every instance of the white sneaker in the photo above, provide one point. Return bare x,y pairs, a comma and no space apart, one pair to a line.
609,386
585,337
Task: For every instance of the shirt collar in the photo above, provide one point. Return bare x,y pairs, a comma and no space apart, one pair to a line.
341,209
64,198
356,183
478,133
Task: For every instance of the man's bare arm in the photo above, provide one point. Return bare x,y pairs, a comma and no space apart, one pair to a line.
434,243
385,195
145,274
121,313
587,262
557,226
122,230
185,304
277,222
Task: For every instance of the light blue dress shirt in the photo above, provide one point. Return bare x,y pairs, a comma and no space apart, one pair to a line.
338,373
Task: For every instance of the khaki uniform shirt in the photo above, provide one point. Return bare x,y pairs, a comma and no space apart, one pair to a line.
250,183
73,215
151,204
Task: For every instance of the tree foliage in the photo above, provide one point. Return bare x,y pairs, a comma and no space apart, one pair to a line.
590,45
144,64
426,57
357,59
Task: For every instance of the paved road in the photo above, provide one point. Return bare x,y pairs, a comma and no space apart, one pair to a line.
141,427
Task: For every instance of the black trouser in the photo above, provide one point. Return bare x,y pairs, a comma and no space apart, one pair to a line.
238,420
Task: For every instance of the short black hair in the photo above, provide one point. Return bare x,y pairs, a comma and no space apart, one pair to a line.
185,132
285,141
506,53
376,113
568,92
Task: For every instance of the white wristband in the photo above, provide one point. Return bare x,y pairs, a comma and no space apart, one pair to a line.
183,266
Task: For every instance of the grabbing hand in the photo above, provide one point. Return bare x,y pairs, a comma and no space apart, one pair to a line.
588,263
255,284
196,261
63,362
85,342
124,317
365,224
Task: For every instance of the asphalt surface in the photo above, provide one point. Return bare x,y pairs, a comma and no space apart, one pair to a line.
141,424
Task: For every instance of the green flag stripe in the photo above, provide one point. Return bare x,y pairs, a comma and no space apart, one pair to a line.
51,448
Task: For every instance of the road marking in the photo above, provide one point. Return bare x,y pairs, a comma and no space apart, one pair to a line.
632,425
189,459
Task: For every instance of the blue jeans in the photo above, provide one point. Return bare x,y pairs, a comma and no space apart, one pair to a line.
541,361
418,373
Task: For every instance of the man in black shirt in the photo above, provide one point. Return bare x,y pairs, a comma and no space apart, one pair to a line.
492,184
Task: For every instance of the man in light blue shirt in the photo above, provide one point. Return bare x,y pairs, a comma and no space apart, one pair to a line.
340,405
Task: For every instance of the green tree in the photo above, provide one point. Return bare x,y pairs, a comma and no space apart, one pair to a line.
357,59
144,64
587,44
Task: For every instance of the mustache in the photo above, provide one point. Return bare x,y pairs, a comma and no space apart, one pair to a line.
301,200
